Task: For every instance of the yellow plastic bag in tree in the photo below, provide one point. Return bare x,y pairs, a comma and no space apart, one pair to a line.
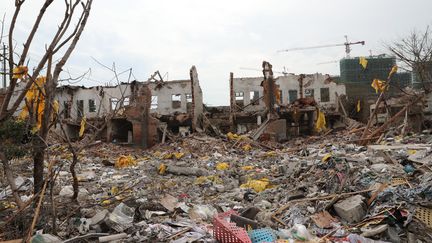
35,100
363,62
20,72
222,166
277,95
56,107
320,123
379,85
82,126
392,71
358,107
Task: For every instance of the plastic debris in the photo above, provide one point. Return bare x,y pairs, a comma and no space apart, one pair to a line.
222,166
162,168
125,161
121,218
247,147
257,185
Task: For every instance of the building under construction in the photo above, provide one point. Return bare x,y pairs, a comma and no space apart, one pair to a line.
358,79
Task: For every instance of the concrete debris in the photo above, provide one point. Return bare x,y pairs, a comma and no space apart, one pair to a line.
309,189
169,202
67,191
121,218
111,238
99,217
374,231
351,209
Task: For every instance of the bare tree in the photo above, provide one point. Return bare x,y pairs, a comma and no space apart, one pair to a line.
415,51
60,48
89,138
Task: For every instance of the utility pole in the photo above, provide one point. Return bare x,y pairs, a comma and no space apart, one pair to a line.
4,65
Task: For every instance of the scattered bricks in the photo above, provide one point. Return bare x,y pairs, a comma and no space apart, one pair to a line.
352,209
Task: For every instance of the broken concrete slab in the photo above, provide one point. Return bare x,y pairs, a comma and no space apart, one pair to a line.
277,130
178,170
99,217
352,209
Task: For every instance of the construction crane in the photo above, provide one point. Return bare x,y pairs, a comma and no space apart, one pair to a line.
347,45
284,72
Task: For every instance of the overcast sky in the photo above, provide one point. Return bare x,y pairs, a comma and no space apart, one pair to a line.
220,37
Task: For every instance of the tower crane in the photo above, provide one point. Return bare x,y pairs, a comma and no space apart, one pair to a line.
284,72
347,45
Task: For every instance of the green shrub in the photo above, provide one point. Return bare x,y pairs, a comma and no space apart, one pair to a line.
12,135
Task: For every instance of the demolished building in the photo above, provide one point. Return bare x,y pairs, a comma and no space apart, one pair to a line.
137,113
297,98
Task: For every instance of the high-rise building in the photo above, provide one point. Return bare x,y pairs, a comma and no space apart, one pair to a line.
378,67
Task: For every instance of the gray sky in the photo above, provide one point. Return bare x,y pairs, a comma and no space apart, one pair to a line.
221,36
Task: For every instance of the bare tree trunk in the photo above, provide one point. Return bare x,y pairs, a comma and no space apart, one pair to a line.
38,165
75,184
40,145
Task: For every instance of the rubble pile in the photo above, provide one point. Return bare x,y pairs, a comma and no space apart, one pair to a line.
233,189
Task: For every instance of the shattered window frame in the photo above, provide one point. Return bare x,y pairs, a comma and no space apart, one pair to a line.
189,102
92,105
189,98
154,102
126,101
281,96
113,103
239,95
325,94
176,101
80,108
66,112
254,97
309,93
292,95
239,98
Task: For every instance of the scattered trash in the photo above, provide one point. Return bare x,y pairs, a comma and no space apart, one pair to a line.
257,185
222,166
225,231
125,161
121,218
333,191
262,235
169,202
